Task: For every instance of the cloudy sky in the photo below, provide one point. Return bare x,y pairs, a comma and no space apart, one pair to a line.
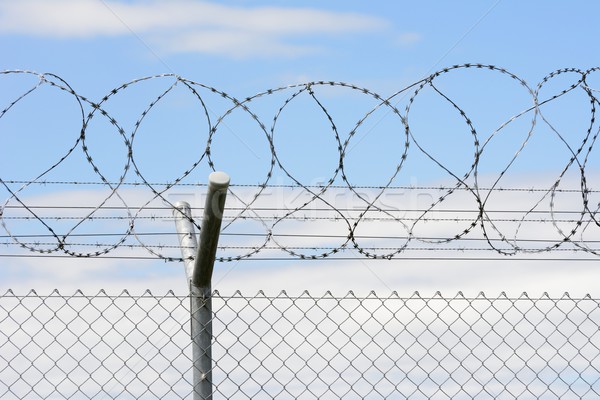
245,47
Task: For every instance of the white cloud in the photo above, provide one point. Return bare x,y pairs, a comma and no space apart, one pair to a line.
409,39
237,44
61,18
402,274
185,25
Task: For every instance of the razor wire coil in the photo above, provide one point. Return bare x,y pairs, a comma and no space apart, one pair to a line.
569,233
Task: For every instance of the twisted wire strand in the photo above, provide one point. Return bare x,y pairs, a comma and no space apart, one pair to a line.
249,207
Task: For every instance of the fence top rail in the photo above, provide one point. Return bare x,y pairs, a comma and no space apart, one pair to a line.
305,295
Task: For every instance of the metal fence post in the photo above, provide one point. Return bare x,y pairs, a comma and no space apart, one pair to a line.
187,236
200,277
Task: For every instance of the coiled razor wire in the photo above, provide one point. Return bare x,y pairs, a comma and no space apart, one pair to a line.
480,219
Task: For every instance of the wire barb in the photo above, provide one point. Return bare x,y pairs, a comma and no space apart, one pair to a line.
504,231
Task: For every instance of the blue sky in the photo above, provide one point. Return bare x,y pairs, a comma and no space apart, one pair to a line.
246,47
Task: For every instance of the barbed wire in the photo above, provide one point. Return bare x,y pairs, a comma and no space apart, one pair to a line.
372,209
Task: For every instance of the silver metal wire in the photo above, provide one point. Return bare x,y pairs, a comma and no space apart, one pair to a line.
407,112
302,347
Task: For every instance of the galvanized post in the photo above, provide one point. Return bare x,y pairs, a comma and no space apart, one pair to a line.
201,342
200,278
218,182
187,236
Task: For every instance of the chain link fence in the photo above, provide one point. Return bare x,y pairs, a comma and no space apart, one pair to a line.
301,347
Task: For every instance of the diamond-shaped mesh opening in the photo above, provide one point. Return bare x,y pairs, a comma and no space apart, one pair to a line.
303,347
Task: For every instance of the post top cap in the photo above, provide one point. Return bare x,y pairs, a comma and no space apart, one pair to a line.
218,180
181,204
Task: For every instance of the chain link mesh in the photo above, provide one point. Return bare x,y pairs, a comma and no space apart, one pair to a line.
352,347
